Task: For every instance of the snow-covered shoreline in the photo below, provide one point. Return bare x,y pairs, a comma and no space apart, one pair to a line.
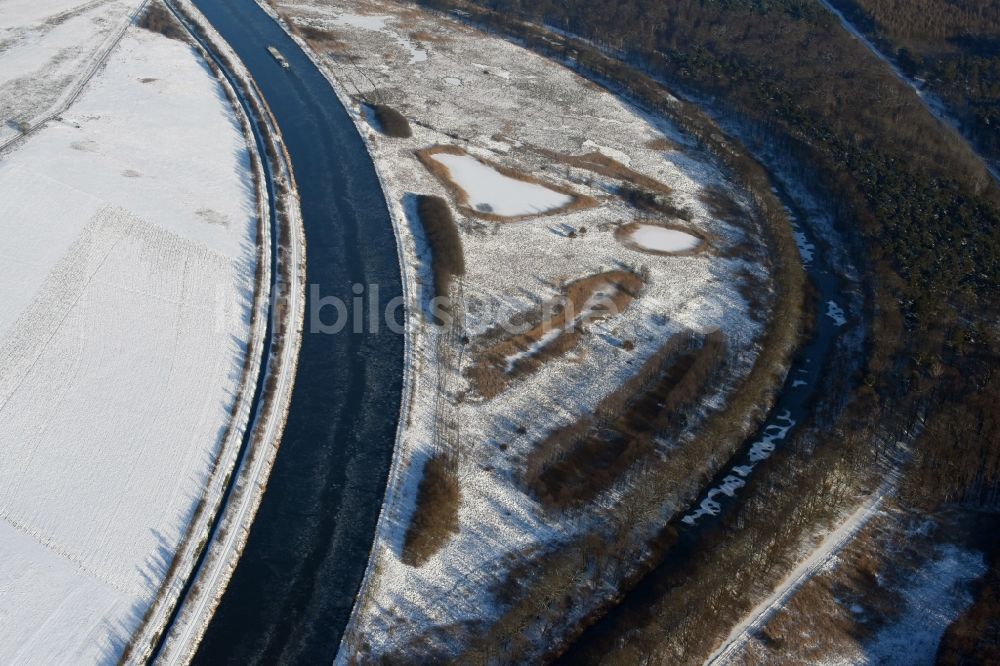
185,558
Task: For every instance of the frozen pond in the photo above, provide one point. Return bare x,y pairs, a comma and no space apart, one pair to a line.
490,191
654,238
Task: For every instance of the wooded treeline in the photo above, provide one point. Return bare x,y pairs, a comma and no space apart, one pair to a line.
953,45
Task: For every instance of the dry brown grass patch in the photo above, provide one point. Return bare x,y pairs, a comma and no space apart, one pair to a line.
158,18
608,167
391,122
447,254
755,290
443,174
490,374
813,628
662,143
429,37
319,38
722,206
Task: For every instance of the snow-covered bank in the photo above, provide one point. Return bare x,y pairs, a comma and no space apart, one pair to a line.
226,538
522,112
128,283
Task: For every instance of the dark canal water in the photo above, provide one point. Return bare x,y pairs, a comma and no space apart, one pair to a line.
291,595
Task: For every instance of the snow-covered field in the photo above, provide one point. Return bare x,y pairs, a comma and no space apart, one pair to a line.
127,278
506,106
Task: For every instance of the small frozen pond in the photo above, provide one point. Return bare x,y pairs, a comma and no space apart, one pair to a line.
654,238
490,191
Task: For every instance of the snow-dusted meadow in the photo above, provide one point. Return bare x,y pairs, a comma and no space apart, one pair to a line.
47,49
503,105
126,279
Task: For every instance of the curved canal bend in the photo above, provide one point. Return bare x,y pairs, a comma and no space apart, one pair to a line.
292,592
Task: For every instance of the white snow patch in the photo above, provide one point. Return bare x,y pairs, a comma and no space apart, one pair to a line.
836,313
759,451
378,24
937,594
493,71
549,336
806,249
619,155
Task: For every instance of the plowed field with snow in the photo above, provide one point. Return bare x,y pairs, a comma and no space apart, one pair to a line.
126,279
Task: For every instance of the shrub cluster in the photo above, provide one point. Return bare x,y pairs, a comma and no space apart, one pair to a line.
447,255
435,518
158,18
392,122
